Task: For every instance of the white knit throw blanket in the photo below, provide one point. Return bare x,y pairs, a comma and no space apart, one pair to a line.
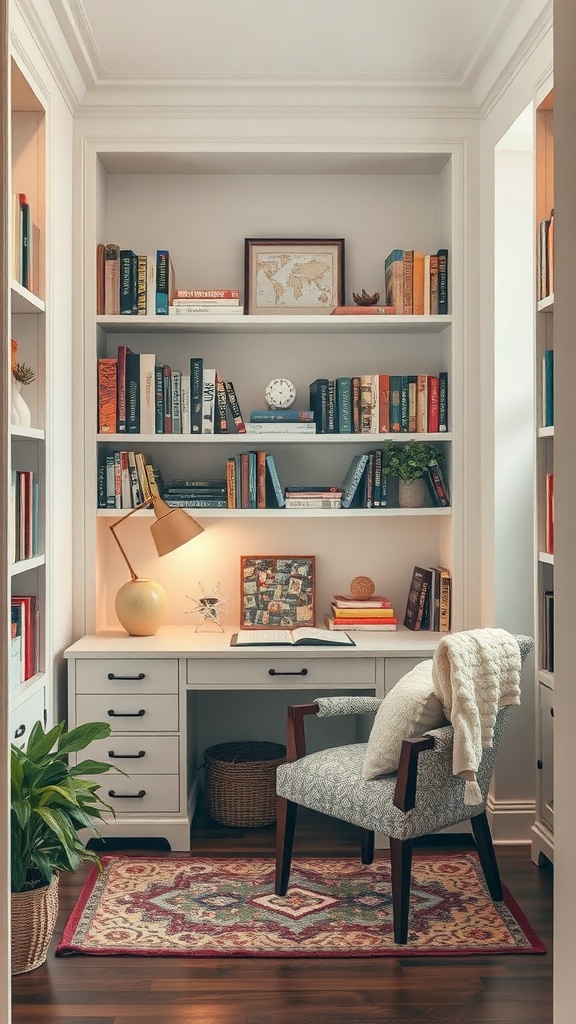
474,673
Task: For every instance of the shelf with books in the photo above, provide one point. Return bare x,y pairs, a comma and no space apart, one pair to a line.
361,325
542,832
292,513
25,301
265,438
27,564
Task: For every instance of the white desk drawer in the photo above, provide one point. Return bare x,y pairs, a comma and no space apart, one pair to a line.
147,755
24,717
126,675
137,713
140,794
277,671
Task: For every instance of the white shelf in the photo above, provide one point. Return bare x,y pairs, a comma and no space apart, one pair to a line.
546,305
280,324
24,301
545,431
283,513
263,438
27,564
545,556
27,434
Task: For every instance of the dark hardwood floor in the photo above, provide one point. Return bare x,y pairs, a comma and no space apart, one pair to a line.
467,990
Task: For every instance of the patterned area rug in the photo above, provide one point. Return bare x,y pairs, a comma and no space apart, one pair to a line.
197,907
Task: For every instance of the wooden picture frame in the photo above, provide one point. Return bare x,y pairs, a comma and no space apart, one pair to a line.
277,591
293,276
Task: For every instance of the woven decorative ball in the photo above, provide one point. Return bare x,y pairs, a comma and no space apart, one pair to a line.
362,587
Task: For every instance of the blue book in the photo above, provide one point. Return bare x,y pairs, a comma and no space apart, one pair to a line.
319,403
127,281
352,479
442,280
275,489
395,403
162,282
548,388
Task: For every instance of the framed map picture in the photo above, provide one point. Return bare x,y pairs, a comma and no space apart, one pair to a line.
276,591
284,276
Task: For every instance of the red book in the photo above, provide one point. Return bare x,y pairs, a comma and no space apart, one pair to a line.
550,513
341,601
384,403
121,388
433,404
365,620
260,479
30,613
107,395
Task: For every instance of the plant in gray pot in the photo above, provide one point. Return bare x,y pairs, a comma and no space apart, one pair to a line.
410,462
51,801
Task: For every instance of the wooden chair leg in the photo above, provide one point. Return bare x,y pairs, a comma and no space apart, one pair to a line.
486,854
401,869
286,812
367,845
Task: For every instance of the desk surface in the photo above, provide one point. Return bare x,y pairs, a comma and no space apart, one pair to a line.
182,641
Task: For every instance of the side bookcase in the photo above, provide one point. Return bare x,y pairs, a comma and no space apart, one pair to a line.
201,207
543,829
26,484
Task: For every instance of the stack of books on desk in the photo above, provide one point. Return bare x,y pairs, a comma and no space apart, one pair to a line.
374,613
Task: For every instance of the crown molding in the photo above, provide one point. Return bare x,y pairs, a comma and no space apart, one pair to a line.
38,17
539,29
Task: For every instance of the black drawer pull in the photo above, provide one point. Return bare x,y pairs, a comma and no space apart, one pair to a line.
141,753
301,672
552,712
126,714
134,678
19,732
127,796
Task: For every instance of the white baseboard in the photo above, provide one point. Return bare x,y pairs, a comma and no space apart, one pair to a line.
511,821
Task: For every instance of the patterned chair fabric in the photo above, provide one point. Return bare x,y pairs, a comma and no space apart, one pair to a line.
331,782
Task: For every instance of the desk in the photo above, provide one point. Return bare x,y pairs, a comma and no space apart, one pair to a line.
146,688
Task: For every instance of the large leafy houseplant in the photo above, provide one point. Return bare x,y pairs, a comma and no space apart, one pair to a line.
411,460
51,801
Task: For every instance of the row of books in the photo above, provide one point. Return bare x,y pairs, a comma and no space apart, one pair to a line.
130,284
126,479
381,403
24,639
372,614
545,256
416,282
24,496
23,232
548,388
429,599
138,395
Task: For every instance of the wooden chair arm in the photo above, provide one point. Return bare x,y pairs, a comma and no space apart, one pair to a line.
407,776
295,739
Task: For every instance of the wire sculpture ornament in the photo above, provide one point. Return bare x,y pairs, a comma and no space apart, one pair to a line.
209,607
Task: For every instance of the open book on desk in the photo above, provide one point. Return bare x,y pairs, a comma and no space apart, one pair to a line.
304,636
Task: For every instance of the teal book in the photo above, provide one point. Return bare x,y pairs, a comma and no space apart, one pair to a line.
395,404
548,388
344,404
352,479
275,492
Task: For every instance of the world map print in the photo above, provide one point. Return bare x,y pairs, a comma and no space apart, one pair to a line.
295,280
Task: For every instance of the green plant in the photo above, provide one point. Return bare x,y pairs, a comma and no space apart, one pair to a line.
51,802
411,460
23,373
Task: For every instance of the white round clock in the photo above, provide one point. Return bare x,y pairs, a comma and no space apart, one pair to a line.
280,393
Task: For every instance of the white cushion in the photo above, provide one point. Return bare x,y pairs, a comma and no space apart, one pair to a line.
410,709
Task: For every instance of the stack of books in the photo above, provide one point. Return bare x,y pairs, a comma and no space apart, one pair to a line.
206,302
281,421
322,496
196,494
373,613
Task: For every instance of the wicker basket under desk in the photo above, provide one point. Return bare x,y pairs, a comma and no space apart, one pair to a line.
241,782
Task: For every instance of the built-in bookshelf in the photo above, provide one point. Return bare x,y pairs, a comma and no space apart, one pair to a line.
26,484
543,830
412,209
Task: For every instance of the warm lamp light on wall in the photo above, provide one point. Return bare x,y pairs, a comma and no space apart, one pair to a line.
141,603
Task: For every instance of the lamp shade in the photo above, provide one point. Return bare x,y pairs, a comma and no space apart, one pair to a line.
173,527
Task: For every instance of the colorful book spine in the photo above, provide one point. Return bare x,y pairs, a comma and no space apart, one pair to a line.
133,392
234,407
141,285
176,401
442,281
220,419
148,385
196,386
352,479
107,396
282,416
112,279
275,491
159,398
395,404
128,283
199,293
162,305
208,400
443,401
344,404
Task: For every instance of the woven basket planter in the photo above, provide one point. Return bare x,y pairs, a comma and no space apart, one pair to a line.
241,782
33,921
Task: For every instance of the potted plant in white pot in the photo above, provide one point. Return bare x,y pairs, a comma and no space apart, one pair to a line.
410,461
51,801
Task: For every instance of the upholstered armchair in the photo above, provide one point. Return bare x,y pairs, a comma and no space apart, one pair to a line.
422,797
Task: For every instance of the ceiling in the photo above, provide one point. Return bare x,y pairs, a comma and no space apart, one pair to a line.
439,44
